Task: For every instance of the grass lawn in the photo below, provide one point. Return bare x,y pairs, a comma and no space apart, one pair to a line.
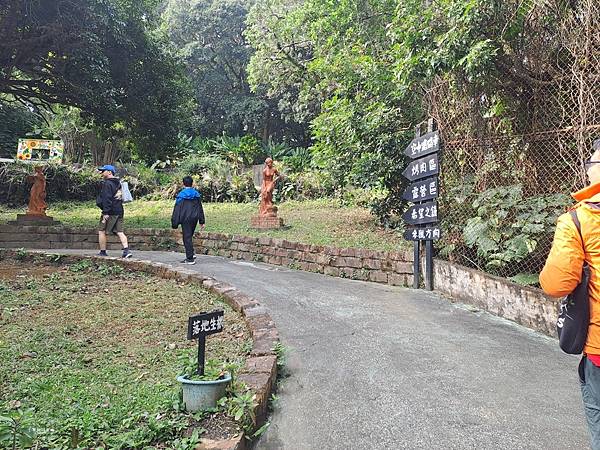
90,353
321,222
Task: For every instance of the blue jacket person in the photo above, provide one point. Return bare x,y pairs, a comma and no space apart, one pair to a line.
188,213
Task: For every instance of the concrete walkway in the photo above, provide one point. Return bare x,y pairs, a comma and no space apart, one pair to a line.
379,367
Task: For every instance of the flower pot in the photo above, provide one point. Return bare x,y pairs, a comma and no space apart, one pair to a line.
198,395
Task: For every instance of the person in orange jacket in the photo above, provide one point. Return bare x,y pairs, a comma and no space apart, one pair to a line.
562,273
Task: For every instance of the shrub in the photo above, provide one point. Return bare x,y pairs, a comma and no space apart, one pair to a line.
506,231
241,188
198,165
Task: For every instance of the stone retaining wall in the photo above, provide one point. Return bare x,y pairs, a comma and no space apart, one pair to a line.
525,305
393,268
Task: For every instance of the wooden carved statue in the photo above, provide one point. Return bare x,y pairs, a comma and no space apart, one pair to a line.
270,177
37,198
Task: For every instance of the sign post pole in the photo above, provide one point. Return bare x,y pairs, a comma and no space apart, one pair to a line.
429,243
422,172
416,243
201,354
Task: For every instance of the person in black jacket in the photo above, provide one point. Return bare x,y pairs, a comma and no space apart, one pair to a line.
110,201
188,213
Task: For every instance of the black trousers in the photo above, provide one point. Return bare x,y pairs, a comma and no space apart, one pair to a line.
188,233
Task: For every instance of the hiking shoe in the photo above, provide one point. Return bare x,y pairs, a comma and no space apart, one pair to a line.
189,261
102,253
127,253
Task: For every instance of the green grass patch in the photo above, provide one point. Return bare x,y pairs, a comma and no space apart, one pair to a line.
89,353
319,222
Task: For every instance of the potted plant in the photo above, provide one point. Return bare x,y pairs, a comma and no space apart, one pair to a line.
202,391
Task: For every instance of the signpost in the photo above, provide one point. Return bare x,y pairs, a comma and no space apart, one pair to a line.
423,145
422,234
200,326
423,215
422,168
421,190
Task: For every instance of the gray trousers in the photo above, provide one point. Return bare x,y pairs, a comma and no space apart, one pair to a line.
589,376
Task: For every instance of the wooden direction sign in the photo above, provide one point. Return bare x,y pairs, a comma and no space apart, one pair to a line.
422,168
423,145
421,190
423,234
421,214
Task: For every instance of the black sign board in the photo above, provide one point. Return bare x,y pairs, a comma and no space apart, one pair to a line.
423,145
202,325
422,234
205,324
422,190
421,214
422,168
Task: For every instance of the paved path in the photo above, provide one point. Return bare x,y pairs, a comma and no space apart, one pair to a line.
380,367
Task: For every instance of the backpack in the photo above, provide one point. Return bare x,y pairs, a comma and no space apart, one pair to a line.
574,314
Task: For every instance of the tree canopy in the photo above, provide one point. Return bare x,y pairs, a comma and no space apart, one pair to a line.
100,56
210,38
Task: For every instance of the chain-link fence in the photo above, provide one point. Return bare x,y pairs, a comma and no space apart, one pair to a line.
514,149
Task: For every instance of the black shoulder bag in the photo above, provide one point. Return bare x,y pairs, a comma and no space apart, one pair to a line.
574,315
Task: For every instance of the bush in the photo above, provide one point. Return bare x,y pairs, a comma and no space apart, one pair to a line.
506,231
66,183
143,180
305,186
241,188
198,165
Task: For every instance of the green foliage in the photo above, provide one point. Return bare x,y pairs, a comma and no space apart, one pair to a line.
281,351
213,369
241,188
100,56
507,227
16,122
240,406
360,72
210,37
62,183
310,184
334,63
17,428
526,279
297,160
187,443
21,254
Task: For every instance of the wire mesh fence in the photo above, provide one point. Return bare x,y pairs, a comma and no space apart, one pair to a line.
514,150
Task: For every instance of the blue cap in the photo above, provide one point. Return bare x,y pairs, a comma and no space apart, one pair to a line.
107,167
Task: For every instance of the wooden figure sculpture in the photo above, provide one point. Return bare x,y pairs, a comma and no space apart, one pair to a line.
37,198
267,211
270,177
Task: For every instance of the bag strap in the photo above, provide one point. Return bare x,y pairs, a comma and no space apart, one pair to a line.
573,214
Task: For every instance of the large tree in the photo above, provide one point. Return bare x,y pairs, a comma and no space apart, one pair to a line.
210,37
97,55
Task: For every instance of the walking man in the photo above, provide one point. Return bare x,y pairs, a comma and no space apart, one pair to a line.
562,273
110,201
188,212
